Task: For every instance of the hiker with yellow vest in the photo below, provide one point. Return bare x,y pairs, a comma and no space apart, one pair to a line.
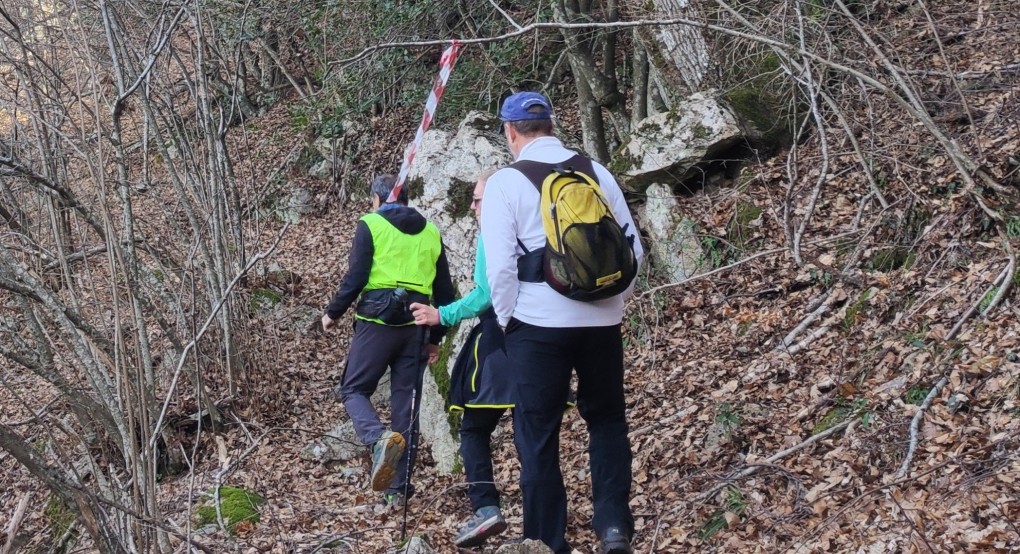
397,258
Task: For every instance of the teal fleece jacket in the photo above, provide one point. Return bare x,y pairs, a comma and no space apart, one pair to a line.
476,301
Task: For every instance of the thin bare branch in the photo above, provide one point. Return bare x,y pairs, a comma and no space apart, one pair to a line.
205,328
505,15
741,262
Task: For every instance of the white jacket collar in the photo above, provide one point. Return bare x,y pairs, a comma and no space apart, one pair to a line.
534,149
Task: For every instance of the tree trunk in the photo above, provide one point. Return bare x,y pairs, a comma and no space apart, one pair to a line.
639,96
597,87
593,130
678,52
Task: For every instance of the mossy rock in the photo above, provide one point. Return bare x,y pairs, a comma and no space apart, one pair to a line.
754,104
264,299
622,162
441,375
236,506
414,186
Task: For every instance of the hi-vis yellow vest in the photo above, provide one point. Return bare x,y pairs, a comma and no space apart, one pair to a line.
401,260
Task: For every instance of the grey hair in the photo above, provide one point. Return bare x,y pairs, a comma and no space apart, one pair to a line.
484,177
382,185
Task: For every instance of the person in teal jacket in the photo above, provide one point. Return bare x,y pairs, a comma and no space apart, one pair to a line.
481,388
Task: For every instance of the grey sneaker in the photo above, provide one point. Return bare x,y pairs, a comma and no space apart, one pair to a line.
486,522
385,457
615,542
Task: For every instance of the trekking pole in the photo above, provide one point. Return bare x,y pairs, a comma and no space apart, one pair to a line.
412,457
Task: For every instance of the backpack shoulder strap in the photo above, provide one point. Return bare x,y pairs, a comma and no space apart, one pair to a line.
581,163
536,172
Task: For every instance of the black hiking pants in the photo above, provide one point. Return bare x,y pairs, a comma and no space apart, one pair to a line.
543,359
476,449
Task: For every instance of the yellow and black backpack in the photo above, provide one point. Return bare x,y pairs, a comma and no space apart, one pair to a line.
588,255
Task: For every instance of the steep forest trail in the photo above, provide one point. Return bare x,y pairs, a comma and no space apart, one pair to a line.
731,375
867,401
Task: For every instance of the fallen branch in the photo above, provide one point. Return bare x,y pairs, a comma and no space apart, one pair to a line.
915,425
879,488
823,306
1004,281
655,535
35,417
747,472
807,340
505,15
15,523
662,422
1008,68
1007,271
910,522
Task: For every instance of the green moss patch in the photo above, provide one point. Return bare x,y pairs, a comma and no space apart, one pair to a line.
460,196
891,259
832,418
236,505
916,394
855,309
622,162
843,409
734,505
61,519
441,374
755,104
415,186
263,299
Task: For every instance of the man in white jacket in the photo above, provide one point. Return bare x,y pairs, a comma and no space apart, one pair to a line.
549,335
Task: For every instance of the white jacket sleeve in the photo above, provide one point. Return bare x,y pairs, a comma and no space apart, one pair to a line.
499,233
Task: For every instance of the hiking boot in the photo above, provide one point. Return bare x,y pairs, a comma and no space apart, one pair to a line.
615,542
385,457
486,522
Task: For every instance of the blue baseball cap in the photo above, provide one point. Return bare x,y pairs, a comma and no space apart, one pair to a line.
516,107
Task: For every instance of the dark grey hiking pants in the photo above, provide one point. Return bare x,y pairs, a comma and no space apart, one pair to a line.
374,348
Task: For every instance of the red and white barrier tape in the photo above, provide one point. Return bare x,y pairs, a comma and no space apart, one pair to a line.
445,68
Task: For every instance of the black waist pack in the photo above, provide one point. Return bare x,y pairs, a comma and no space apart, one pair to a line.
391,306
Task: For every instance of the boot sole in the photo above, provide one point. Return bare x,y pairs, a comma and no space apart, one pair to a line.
618,549
382,476
489,528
